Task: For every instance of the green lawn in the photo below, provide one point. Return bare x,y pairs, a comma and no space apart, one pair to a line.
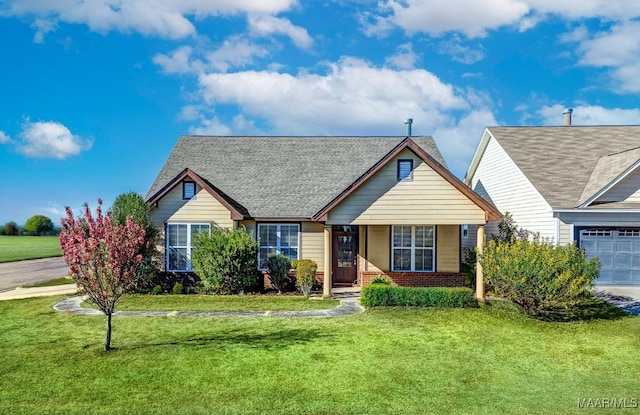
52,282
18,248
412,361
218,303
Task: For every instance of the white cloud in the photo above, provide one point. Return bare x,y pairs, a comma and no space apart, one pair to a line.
177,61
459,53
475,18
406,58
50,140
266,25
4,138
42,26
617,49
353,96
163,18
590,115
458,140
235,52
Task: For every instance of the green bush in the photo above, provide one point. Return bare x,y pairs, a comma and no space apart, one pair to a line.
225,261
305,275
177,288
156,290
386,295
536,274
379,279
278,267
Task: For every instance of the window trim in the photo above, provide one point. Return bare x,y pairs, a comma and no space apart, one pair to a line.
277,247
184,189
410,176
188,246
465,231
413,249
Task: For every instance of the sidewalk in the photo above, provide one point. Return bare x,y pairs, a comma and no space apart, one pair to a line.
20,292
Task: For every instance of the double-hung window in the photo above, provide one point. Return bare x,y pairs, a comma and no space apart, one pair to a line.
277,239
413,248
180,244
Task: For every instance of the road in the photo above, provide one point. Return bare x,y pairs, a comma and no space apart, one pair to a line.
21,273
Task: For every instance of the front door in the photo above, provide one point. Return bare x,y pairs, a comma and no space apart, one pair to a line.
345,255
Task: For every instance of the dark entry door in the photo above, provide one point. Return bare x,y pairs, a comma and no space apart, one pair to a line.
345,255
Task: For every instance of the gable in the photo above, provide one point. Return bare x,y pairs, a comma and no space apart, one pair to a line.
626,190
499,180
427,199
203,207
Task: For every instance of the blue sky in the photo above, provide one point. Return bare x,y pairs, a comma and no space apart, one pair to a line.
96,92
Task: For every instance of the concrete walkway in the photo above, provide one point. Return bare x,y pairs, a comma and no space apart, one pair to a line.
18,293
347,306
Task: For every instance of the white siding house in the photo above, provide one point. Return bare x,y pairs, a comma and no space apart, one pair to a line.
572,185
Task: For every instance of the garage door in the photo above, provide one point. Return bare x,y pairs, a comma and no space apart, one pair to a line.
618,251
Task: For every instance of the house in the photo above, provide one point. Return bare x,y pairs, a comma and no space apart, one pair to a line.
357,206
569,183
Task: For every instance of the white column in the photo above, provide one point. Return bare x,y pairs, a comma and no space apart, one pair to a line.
326,284
479,275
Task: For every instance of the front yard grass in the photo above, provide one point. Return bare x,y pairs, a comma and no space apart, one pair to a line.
191,302
485,360
20,248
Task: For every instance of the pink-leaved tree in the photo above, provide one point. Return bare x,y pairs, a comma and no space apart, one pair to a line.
102,257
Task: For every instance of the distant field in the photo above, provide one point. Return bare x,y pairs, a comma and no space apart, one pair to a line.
18,248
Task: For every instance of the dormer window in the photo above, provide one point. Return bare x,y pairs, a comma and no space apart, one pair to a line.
188,190
405,167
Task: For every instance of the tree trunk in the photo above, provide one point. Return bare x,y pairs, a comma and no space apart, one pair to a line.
107,342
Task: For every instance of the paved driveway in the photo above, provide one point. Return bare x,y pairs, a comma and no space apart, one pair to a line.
627,298
17,274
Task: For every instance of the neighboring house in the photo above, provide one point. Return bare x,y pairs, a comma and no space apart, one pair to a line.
569,183
357,206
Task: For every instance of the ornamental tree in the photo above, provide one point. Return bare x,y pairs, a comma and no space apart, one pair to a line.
102,257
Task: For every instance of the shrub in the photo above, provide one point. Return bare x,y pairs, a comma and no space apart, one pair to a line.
278,266
156,290
305,275
536,274
177,289
386,295
132,205
226,261
379,279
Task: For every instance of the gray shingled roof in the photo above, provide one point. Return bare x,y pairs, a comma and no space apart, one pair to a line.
567,163
281,176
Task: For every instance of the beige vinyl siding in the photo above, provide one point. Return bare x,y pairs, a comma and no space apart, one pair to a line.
448,248
499,180
566,234
312,243
378,248
203,208
250,226
427,199
627,190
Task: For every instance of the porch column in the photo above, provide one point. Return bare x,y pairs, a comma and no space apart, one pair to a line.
479,275
326,284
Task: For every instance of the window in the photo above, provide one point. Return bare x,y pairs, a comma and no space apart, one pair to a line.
413,248
404,169
179,244
188,190
465,231
277,239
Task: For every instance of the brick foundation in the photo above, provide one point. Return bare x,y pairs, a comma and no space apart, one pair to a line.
416,279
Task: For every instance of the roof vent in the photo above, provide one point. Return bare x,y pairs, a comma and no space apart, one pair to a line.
407,125
567,116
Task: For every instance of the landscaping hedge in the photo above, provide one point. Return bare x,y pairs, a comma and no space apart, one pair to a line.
385,295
